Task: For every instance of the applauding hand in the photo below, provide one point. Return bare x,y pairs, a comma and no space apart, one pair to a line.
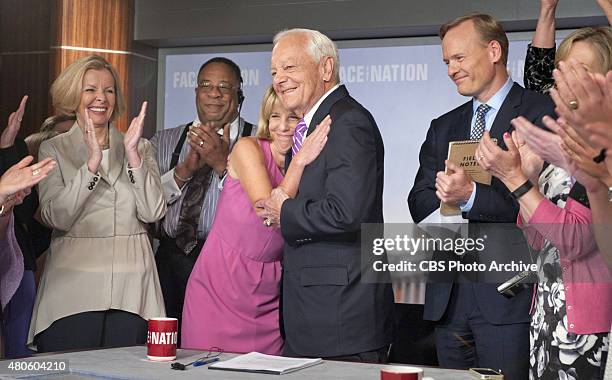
21,176
133,135
7,139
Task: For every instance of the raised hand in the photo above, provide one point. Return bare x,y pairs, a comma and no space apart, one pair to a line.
212,148
606,7
21,176
549,4
133,135
505,165
581,98
582,153
531,163
94,152
601,132
314,143
545,144
7,139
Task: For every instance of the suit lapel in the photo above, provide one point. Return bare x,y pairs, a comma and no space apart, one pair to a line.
508,111
461,131
325,107
320,114
75,142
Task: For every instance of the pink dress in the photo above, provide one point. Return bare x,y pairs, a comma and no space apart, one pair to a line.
232,296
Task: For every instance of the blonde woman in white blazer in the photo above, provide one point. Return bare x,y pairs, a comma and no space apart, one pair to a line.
100,283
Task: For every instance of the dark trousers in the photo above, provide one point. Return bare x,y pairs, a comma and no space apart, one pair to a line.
380,356
173,269
93,329
16,318
464,339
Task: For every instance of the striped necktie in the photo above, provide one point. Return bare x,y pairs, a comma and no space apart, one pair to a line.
479,127
298,136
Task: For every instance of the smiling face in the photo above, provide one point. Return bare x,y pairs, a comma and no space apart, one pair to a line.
215,104
281,125
471,62
297,78
97,97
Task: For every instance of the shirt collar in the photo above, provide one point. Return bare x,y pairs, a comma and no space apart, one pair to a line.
310,114
234,126
496,100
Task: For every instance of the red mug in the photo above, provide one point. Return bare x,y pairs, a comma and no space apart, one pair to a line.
401,373
162,338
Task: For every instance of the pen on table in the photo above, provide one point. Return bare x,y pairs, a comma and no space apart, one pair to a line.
204,362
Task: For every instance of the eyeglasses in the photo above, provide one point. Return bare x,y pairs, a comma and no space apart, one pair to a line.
208,86
213,352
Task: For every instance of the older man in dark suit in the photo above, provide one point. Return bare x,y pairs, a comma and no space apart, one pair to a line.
476,326
327,309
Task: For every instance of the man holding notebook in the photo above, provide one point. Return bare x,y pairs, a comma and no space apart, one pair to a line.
476,326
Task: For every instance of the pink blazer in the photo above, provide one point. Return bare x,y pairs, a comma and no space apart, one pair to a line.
586,277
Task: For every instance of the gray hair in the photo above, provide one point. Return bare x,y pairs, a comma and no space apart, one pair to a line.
319,47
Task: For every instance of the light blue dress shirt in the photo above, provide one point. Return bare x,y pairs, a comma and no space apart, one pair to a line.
495,103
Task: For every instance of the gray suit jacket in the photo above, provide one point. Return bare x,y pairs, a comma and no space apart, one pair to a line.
100,257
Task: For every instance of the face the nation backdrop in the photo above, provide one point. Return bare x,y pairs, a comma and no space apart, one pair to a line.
404,87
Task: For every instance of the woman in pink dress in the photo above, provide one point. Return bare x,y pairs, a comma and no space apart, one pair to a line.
232,296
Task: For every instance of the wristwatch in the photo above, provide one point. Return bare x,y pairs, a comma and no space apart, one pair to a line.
610,194
521,190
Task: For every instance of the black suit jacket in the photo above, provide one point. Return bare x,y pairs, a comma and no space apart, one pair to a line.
491,204
327,309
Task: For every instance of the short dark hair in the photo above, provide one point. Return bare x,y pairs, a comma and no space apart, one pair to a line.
486,26
226,61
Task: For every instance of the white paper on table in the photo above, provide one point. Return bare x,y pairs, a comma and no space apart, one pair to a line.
257,362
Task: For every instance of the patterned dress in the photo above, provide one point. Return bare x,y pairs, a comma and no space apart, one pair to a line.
555,353
539,65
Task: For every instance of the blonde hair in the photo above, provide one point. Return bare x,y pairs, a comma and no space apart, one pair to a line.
66,89
598,38
319,46
487,27
267,104
50,122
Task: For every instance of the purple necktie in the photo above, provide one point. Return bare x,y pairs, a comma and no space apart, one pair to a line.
298,136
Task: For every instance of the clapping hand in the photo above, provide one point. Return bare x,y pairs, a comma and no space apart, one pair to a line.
94,151
133,135
545,144
503,164
21,176
212,149
531,163
601,132
7,139
581,98
581,153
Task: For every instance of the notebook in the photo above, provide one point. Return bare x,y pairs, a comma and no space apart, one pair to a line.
462,153
262,363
